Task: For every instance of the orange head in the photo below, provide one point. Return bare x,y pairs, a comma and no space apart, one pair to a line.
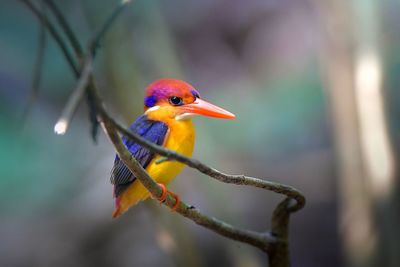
180,100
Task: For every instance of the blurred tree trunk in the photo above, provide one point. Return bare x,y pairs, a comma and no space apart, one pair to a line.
351,64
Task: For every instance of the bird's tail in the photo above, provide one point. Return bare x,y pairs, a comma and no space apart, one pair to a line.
135,193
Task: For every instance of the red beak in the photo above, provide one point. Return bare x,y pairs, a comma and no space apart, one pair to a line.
201,107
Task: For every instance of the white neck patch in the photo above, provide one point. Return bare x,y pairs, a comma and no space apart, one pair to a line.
152,109
184,116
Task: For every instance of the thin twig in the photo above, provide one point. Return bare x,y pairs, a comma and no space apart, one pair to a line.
66,28
86,68
54,34
38,67
95,42
72,104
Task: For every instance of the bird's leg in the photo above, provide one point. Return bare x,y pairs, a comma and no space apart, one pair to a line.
164,194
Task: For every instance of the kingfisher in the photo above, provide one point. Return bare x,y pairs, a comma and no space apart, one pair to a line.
169,106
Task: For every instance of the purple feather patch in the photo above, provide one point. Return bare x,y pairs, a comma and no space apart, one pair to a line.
150,101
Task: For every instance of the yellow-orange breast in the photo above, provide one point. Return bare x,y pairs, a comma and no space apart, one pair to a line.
180,138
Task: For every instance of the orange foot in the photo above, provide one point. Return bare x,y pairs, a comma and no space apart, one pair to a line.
164,194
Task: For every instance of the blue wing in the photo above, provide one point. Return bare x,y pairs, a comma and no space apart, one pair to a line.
154,131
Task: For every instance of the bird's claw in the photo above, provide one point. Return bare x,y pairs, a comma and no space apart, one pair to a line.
177,201
164,194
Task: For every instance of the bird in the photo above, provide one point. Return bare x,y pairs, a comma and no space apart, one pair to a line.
169,105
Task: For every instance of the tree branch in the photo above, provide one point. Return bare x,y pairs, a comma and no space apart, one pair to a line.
85,67
279,253
95,41
38,67
54,34
66,28
75,98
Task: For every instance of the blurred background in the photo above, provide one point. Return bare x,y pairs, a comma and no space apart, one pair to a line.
314,85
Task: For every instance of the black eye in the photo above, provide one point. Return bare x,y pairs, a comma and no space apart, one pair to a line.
176,101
